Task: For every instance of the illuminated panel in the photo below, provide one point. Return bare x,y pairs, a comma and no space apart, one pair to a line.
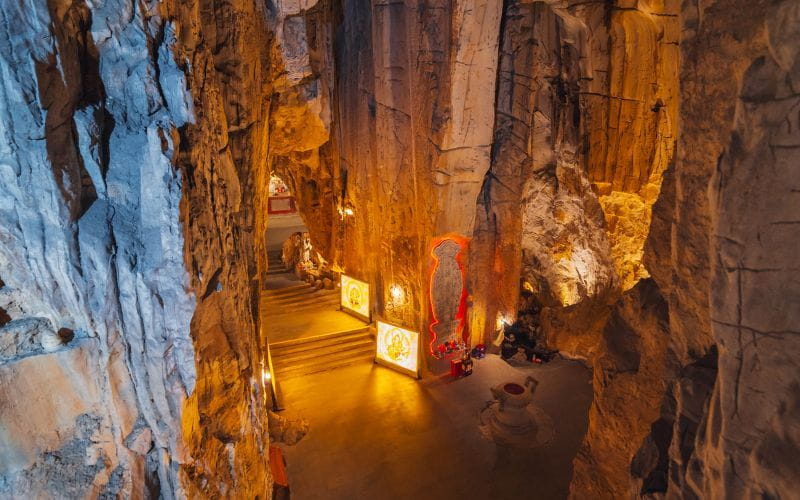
398,348
355,296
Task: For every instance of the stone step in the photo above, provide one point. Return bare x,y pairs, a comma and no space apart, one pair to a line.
295,291
304,356
301,298
325,363
309,293
299,292
285,291
319,306
320,343
317,338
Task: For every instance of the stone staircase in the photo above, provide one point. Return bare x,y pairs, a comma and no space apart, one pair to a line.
294,358
298,298
276,265
344,342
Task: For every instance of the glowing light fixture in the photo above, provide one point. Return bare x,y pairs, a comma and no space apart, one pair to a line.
355,296
345,212
266,376
502,321
398,348
397,293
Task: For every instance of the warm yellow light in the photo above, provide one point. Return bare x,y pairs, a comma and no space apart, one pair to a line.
502,321
398,348
345,212
355,296
266,376
397,293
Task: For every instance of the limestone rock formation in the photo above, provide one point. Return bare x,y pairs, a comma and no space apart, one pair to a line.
591,199
127,141
720,230
582,199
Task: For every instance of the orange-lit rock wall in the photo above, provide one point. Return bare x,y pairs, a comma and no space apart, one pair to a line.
688,401
409,144
222,155
631,165
632,104
582,138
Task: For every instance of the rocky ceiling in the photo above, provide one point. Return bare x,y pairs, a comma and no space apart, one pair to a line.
629,165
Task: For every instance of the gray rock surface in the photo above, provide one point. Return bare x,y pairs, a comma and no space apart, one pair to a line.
98,354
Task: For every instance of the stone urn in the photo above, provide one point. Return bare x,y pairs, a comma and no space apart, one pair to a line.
511,415
511,419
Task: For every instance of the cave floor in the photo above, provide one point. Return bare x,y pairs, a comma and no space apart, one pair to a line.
378,434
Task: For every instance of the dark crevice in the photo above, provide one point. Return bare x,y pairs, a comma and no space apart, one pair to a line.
689,396
213,284
4,317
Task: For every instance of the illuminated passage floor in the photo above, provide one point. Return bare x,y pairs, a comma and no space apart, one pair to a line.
377,434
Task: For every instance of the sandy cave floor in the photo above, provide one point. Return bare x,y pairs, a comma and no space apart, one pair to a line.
378,434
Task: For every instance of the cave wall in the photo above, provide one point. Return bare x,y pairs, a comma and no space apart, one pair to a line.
747,444
409,142
416,91
696,401
586,109
131,134
137,142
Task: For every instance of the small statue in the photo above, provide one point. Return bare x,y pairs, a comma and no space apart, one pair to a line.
466,363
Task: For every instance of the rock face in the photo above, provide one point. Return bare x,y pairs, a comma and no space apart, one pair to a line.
748,441
127,156
720,231
409,141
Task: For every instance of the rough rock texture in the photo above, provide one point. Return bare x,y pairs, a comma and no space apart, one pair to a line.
538,220
718,248
127,151
586,94
749,440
